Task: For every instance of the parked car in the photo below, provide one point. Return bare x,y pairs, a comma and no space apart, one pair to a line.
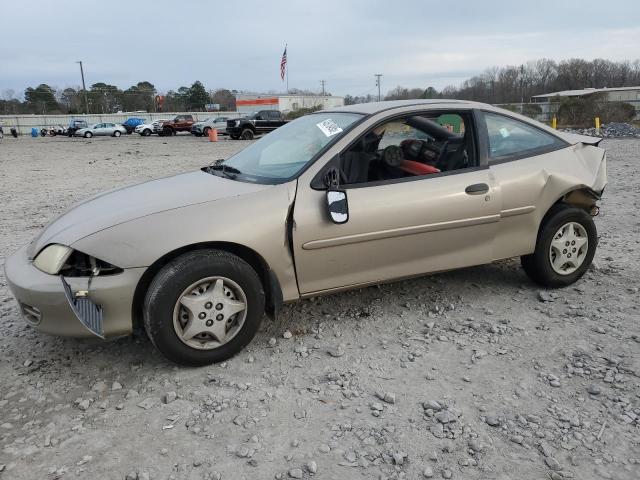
257,123
131,123
202,128
332,201
179,123
147,129
75,125
101,129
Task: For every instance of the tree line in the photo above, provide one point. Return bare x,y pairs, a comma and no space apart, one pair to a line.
514,84
496,85
105,98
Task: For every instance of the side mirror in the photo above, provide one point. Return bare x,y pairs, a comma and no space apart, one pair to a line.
337,206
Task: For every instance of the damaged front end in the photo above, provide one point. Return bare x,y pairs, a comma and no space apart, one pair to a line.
89,313
68,263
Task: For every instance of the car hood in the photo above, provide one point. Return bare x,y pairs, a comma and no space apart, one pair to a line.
128,203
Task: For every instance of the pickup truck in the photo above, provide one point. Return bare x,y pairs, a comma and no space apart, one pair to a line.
257,123
180,123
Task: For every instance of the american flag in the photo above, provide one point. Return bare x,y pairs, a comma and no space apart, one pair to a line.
283,64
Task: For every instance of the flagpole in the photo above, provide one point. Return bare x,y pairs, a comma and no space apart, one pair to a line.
287,66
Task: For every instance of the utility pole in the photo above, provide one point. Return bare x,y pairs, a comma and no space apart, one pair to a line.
323,82
84,88
378,75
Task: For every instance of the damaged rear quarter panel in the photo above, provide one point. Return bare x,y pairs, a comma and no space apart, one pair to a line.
534,184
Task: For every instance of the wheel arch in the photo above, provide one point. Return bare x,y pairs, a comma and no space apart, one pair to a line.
270,282
582,197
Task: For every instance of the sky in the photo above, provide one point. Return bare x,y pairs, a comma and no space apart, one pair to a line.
238,45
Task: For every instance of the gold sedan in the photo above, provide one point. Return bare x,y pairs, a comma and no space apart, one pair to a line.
331,201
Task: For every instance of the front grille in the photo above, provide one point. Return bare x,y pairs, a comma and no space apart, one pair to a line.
31,314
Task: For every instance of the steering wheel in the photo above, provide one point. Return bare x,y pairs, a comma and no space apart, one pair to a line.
392,156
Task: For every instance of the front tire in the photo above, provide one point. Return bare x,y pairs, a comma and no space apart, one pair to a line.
203,307
88,135
565,247
247,134
205,132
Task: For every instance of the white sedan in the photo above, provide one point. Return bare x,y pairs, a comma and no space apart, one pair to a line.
103,129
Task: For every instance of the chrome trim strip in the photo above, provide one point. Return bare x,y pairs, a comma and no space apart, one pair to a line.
399,232
512,212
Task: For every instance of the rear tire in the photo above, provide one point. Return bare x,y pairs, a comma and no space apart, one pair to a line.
117,133
164,299
539,265
247,134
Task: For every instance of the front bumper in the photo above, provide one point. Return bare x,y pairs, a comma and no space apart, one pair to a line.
43,304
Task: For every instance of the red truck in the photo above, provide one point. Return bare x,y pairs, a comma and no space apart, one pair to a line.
180,123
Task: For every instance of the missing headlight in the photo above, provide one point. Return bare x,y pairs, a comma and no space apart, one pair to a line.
82,265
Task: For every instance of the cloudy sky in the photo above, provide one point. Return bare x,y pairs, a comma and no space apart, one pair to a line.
237,45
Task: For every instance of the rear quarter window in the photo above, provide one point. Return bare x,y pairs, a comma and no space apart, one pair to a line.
510,138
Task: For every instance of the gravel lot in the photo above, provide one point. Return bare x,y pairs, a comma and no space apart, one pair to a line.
474,374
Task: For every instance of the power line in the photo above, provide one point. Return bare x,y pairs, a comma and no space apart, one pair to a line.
378,76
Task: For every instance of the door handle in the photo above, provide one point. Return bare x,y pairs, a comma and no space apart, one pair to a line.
477,189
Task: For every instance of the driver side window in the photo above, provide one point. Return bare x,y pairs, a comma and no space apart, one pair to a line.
410,147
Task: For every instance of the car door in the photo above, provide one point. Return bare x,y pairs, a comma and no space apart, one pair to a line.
274,120
262,122
519,154
98,129
396,228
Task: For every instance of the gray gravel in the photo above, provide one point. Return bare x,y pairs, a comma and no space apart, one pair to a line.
473,374
609,130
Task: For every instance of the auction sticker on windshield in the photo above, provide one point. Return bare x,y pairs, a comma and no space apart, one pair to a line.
329,127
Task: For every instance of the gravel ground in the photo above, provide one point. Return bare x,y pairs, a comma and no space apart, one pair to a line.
474,374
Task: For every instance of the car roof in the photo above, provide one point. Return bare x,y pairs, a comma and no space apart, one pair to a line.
376,107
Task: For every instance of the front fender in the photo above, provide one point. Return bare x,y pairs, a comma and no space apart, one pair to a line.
256,220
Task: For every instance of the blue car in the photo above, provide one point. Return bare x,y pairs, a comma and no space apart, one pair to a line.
131,123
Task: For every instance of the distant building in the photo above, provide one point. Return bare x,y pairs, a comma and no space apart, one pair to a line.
247,103
619,94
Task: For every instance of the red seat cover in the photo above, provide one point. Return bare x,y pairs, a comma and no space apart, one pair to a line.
417,168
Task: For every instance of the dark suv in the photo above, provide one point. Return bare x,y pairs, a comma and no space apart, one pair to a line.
75,125
257,123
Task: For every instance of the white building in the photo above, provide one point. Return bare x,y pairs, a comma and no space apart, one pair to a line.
247,103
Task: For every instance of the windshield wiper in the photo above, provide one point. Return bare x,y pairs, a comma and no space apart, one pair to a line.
227,170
